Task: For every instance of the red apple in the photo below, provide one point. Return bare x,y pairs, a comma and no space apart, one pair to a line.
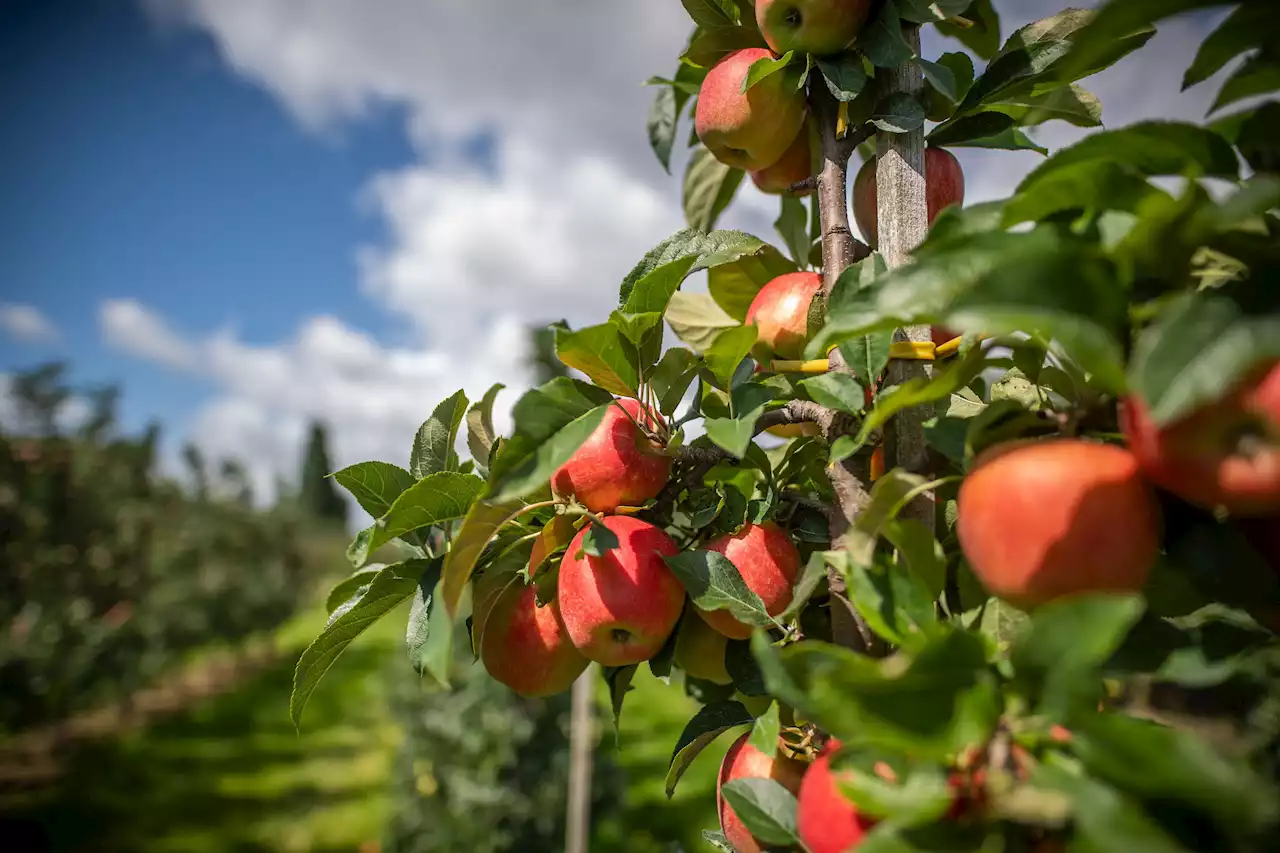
1223,455
744,761
780,312
827,821
700,651
620,608
768,562
944,186
941,334
821,27
617,465
522,645
794,166
749,131
1043,519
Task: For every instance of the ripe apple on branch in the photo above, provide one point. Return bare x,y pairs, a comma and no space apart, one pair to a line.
980,596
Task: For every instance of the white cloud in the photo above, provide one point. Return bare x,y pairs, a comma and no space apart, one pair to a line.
575,200
132,327
26,323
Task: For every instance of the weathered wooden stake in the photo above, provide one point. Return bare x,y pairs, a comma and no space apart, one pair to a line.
581,735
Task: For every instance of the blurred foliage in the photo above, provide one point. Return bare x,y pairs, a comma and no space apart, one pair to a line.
109,572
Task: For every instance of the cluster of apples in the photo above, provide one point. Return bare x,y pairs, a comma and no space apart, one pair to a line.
1039,520
621,607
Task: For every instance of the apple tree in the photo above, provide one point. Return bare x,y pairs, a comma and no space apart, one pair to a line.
1004,578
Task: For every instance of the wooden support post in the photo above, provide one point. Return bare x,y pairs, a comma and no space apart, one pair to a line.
581,735
903,220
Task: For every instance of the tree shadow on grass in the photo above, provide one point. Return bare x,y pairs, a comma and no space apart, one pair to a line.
228,775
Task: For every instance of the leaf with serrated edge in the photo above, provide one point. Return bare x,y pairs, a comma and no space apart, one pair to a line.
433,499
714,583
433,445
765,730
392,585
697,320
729,349
349,588
601,353
765,807
480,432
709,723
374,485
478,528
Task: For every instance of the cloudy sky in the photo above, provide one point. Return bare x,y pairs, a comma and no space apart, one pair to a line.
255,212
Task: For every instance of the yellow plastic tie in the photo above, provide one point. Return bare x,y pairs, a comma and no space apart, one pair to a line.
912,350
950,348
842,119
818,365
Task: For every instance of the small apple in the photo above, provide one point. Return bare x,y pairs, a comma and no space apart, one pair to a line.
944,186
1038,520
749,131
780,313
1223,455
617,465
744,761
768,562
794,166
700,651
820,27
522,645
827,821
620,608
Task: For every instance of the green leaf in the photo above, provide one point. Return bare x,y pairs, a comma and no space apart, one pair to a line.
716,839
1071,104
765,67
921,798
1162,763
551,422
435,498
941,78
1246,28
478,527
374,485
838,391
931,11
358,550
713,583
603,354
1062,652
349,588
661,124
670,379
814,573
652,291
895,604
1092,186
391,586
709,723
881,41
765,730
843,75
921,552
743,669
734,285
983,38
1001,622
920,391
618,678
708,13
598,540
1104,819
480,432
731,346
793,225
697,319
899,112
711,44
1152,148
765,807
969,128
433,445
959,66
709,186
867,355
1259,75
928,705
1259,138
422,632
1013,72
1042,282
708,250
1197,351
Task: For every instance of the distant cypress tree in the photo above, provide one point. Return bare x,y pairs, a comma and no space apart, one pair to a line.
318,493
544,362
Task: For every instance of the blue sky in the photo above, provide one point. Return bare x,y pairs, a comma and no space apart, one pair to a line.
252,213
136,164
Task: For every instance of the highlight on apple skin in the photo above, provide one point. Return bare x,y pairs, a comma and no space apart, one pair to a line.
820,27
944,186
769,564
1039,520
780,313
522,645
619,608
825,818
617,465
749,131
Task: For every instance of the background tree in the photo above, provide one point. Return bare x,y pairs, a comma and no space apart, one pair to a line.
316,492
